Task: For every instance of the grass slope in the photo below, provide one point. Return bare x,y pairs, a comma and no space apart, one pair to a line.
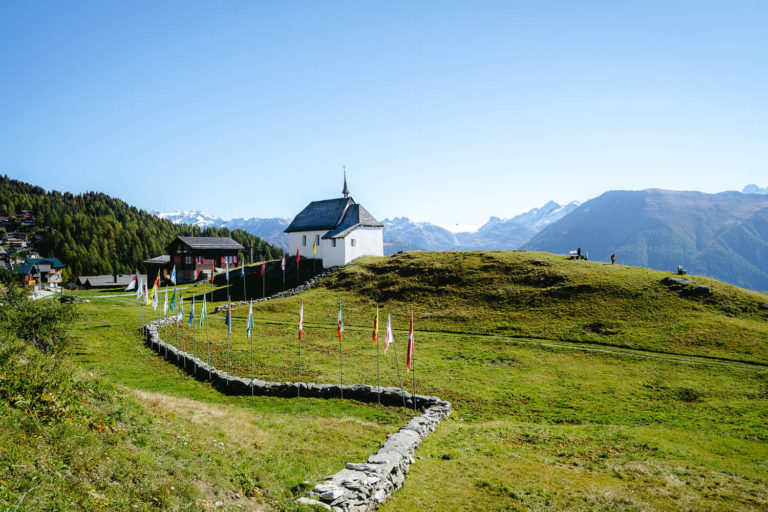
535,427
540,427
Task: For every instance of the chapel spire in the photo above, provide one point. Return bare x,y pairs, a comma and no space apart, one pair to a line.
346,189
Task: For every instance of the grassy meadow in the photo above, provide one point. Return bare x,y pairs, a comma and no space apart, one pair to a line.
575,386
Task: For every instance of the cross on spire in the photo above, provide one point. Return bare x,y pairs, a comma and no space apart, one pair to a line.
346,189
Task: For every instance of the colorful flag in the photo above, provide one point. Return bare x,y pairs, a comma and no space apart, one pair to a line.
242,270
390,338
375,335
226,262
340,323
132,284
165,302
213,271
410,345
154,297
297,255
173,275
301,319
192,312
249,325
282,263
228,319
314,247
203,313
172,306
263,264
181,306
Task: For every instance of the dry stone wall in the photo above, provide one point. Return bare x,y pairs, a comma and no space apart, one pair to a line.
359,487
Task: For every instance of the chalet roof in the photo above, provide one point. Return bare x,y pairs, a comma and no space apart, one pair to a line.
53,262
356,216
159,260
24,269
208,242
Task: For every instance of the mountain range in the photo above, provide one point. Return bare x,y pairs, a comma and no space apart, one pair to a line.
722,235
401,233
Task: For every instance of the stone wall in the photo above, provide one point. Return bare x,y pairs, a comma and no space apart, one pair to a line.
359,486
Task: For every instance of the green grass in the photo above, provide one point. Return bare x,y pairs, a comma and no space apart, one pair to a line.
545,427
534,427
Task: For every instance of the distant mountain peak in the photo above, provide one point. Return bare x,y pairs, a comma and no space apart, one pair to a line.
754,189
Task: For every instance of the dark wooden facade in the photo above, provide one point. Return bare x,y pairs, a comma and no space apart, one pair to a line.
196,257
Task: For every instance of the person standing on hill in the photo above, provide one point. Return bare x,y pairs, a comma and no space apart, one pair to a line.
613,258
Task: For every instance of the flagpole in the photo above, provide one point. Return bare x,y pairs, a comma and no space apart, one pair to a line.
207,339
263,281
194,330
413,366
341,363
378,373
176,310
229,327
250,335
301,329
180,311
398,372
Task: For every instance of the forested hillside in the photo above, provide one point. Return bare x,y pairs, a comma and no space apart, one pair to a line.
94,233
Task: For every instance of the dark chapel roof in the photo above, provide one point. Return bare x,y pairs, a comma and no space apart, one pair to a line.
337,216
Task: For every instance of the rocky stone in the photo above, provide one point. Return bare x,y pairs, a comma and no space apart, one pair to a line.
309,502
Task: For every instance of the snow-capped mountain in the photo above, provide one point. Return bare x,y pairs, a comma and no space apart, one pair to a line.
401,233
268,229
754,189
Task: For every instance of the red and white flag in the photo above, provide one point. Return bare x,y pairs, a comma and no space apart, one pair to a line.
282,263
408,359
132,284
297,255
301,319
389,338
340,323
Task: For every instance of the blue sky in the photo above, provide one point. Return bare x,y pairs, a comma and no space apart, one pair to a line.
441,111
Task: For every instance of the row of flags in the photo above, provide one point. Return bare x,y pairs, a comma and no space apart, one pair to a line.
136,283
389,336
152,298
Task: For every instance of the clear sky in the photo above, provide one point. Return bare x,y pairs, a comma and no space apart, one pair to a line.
444,111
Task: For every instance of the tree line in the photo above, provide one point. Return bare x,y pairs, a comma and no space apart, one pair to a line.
93,233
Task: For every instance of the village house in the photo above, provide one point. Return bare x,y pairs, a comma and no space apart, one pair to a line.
194,257
339,230
43,272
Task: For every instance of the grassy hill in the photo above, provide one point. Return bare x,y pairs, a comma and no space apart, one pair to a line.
538,295
661,406
721,235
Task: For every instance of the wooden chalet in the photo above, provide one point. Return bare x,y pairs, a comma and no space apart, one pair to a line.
195,257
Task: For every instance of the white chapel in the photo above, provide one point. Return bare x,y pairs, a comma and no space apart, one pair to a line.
340,229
